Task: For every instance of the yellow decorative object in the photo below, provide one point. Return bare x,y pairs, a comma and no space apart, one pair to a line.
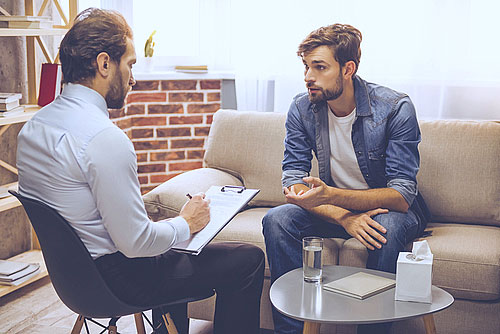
149,47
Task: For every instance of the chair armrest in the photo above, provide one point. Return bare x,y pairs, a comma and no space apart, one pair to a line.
166,200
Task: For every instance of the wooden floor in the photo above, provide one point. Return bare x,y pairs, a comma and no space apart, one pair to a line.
36,309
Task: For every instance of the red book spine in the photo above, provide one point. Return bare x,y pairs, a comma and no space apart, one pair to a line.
49,83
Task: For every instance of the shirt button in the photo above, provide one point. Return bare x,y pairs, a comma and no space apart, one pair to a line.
366,175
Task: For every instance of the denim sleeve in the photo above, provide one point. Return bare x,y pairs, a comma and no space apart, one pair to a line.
402,157
298,149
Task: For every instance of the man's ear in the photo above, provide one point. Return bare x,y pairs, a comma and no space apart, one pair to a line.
103,62
349,69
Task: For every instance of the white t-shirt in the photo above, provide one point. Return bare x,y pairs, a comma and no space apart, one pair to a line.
343,163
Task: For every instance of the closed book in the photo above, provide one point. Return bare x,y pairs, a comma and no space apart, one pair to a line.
21,280
50,83
193,69
360,285
8,106
4,192
29,25
12,112
31,268
10,267
22,18
9,97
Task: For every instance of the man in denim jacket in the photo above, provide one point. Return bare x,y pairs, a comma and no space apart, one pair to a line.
365,139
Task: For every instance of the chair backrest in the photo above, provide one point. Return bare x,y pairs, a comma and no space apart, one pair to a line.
71,268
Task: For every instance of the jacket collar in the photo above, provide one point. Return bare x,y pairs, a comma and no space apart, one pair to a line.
361,96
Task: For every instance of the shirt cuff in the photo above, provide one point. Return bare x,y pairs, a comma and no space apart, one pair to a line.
181,228
291,177
407,189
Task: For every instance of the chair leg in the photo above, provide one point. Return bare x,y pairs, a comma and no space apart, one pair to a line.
77,327
112,326
169,324
139,323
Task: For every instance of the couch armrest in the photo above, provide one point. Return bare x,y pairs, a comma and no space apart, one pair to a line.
166,200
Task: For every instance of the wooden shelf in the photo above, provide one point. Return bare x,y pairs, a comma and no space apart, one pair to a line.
29,111
9,202
32,256
32,32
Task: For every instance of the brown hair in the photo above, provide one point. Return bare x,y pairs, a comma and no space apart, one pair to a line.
342,39
94,31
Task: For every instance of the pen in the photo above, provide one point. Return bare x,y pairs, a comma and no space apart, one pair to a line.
189,196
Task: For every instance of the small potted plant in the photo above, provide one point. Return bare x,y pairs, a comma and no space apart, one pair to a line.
148,51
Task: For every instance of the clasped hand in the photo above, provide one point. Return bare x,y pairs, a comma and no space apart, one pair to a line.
359,225
318,194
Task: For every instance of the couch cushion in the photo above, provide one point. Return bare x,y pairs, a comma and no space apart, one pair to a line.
466,259
247,227
460,171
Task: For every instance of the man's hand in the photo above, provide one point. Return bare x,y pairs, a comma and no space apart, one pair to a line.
196,212
318,194
362,227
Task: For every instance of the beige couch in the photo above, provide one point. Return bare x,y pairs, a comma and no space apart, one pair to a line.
459,178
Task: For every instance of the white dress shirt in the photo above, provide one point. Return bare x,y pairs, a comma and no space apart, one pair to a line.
73,158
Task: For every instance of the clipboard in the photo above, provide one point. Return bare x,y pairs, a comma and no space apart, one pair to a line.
225,203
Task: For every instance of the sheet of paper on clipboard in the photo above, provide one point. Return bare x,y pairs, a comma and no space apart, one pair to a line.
225,203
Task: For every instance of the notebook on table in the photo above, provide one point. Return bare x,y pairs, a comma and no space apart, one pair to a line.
360,285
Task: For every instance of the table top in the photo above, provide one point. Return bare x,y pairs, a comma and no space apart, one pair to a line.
310,302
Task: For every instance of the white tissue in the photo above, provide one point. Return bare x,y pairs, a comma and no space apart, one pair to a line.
414,274
420,251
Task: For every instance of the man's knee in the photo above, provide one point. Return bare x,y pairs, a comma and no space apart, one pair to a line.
277,219
399,225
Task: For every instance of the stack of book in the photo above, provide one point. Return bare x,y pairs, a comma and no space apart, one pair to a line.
9,104
25,22
15,273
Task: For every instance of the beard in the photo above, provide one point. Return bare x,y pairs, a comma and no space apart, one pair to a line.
115,98
327,94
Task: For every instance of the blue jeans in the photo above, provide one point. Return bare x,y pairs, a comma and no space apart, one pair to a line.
285,226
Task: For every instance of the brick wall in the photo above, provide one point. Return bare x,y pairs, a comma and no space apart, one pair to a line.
168,122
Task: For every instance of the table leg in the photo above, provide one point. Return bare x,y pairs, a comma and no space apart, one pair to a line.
430,327
311,327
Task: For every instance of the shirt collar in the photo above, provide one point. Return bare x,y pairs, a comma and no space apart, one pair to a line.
363,107
86,94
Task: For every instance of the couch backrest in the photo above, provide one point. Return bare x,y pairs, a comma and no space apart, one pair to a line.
460,171
459,175
250,146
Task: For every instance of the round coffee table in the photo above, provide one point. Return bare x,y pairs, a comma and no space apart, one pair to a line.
310,303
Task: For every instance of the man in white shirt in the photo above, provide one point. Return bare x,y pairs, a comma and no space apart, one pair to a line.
73,158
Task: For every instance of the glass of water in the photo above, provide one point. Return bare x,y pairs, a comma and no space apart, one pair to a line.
311,258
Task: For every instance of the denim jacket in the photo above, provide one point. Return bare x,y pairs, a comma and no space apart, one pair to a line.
385,137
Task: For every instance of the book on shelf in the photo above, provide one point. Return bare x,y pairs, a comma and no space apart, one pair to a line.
8,267
9,97
16,111
4,192
8,106
50,83
20,276
24,22
360,285
187,68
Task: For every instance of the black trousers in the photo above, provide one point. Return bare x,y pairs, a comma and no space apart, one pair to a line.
235,271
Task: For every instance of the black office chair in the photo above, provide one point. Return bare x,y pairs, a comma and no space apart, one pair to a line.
75,277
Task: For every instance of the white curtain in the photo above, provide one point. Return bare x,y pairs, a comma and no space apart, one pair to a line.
443,53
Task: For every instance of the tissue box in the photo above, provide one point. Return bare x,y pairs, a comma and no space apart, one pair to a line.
413,278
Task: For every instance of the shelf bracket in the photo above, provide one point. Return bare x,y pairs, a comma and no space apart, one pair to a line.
8,167
43,47
4,12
